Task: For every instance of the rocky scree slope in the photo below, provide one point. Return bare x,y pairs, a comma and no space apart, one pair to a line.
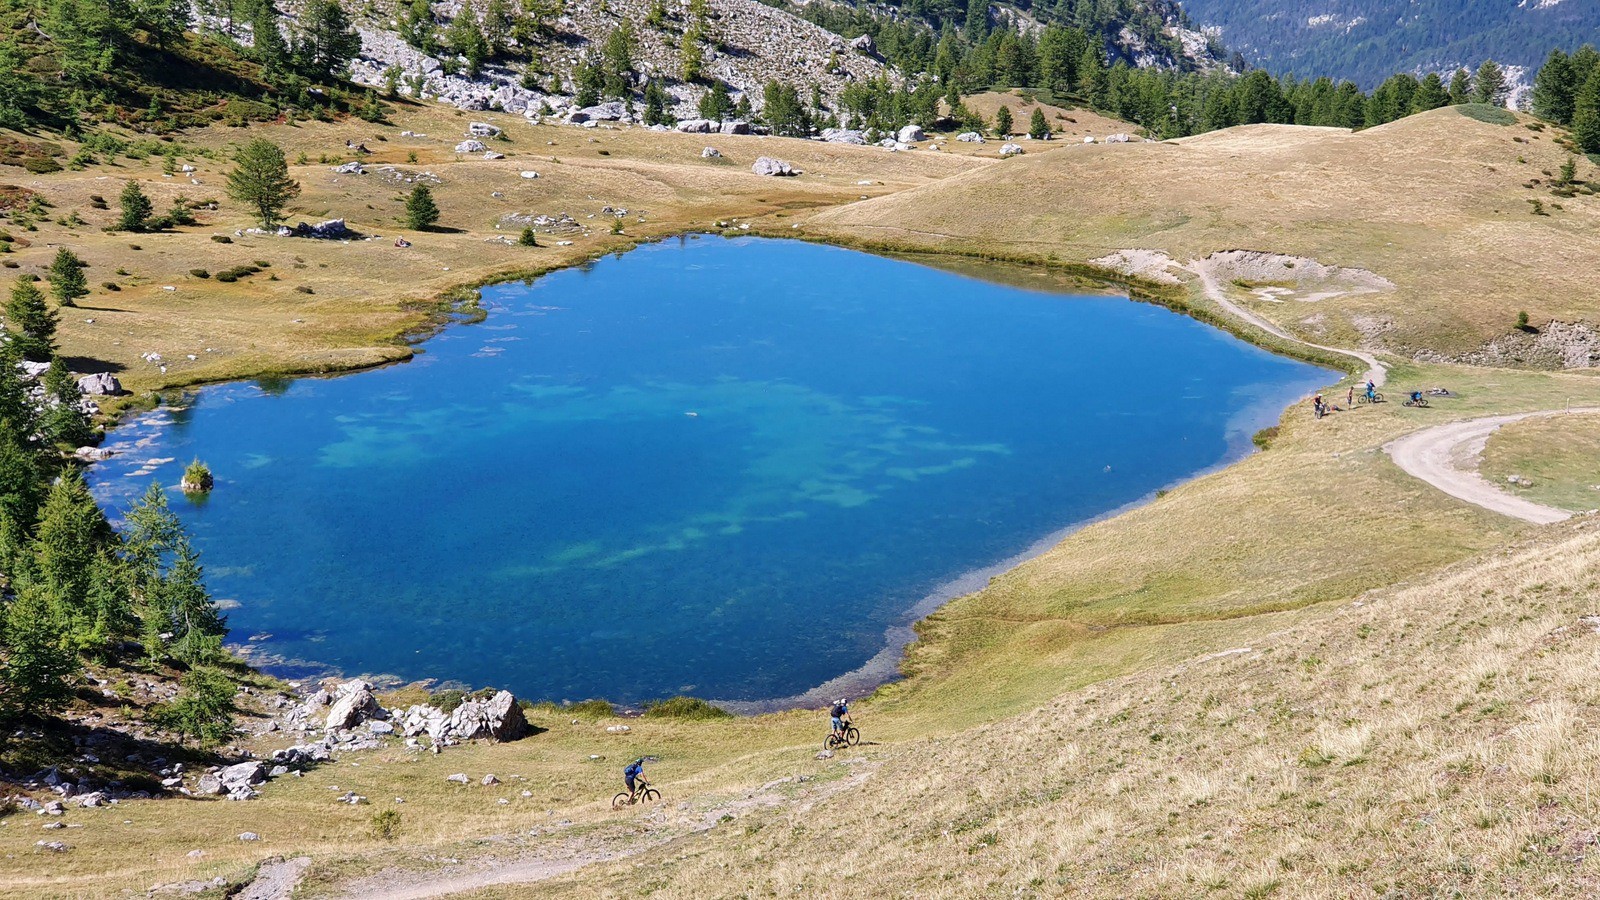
746,44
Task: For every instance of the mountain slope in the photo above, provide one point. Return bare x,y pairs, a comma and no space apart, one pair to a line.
1367,40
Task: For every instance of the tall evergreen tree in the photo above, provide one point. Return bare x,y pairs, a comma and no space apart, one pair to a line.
268,46
260,179
421,211
1489,86
66,278
1002,121
1430,94
1038,128
31,321
1554,88
71,532
1586,114
35,665
325,42
1460,87
195,623
136,208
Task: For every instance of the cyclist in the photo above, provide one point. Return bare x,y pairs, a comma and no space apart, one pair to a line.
840,712
633,777
1372,391
1416,396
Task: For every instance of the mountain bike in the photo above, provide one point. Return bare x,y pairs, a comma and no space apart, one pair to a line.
849,737
644,793
1374,398
1420,401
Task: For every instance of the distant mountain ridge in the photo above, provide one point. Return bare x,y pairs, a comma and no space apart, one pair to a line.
1368,40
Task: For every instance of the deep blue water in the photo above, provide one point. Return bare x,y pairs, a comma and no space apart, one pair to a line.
718,467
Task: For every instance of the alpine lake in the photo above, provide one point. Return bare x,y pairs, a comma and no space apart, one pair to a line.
730,468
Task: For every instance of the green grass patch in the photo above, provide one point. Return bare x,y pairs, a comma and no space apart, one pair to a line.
1487,112
692,708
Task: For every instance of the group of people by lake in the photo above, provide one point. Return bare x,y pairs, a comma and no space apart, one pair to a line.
1369,394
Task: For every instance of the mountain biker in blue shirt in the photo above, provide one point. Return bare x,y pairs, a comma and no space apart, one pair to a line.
1372,390
1415,396
838,712
633,775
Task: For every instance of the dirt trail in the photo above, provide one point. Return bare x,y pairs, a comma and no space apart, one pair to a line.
644,832
1445,456
1376,372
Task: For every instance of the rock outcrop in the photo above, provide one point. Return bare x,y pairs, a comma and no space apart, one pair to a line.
766,165
101,384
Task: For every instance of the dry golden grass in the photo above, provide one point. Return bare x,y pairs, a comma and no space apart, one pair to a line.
1071,124
1435,202
1561,455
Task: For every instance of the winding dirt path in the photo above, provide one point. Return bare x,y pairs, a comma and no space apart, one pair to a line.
1377,372
1446,456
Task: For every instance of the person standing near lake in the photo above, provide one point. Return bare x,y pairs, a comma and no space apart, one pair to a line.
1350,401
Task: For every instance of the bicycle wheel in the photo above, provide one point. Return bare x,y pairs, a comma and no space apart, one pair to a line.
621,800
1377,398
650,795
852,736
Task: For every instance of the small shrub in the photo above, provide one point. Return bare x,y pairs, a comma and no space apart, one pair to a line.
691,708
237,272
98,202
1264,438
1538,208
1522,320
11,264
447,701
200,273
110,286
305,289
41,165
221,239
528,238
135,247
386,824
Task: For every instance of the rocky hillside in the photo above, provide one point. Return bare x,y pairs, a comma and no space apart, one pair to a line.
744,45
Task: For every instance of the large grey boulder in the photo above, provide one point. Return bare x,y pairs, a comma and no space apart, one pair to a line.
863,44
844,136
350,168
499,719
353,704
1009,150
471,146
610,111
482,129
911,134
710,153
970,137
697,126
1118,138
101,384
766,165
735,128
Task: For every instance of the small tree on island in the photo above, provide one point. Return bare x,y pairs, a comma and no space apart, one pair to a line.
421,211
261,181
136,208
528,238
1038,128
66,277
1002,122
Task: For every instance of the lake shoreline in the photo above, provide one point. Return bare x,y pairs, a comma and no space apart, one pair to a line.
461,306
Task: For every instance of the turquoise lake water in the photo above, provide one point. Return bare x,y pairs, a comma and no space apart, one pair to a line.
708,466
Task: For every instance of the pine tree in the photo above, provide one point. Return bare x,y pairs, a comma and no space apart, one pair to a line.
1553,89
655,104
66,278
260,179
1460,87
72,530
421,211
1038,128
325,42
465,38
691,57
1586,114
528,238
193,620
63,422
1002,122
1490,84
977,24
35,665
203,709
32,322
716,103
136,208
1092,78
1430,94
